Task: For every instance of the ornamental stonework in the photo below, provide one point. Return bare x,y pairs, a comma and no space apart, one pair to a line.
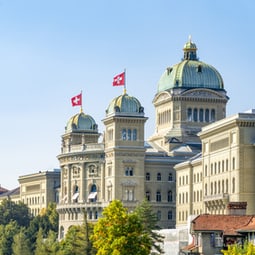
199,93
76,172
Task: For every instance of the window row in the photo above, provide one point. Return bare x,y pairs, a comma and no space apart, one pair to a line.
219,187
129,134
35,211
91,197
183,180
34,200
126,134
201,115
169,215
158,196
158,177
220,167
198,177
184,197
164,117
183,215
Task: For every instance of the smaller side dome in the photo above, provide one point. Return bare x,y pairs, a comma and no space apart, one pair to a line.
125,104
81,122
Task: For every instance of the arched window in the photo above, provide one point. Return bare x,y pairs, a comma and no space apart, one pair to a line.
206,115
159,215
189,114
158,176
124,134
201,115
129,134
212,115
148,195
195,115
93,193
75,193
158,196
170,215
148,176
170,177
205,170
170,196
62,232
134,134
233,163
233,185
129,171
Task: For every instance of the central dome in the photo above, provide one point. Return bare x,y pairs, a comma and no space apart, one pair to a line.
190,73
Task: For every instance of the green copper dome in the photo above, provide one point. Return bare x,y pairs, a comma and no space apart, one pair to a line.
81,122
190,73
124,105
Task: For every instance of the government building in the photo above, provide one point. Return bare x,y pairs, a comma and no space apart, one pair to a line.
190,95
196,162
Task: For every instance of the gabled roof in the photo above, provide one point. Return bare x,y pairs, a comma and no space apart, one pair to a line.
228,224
12,192
2,190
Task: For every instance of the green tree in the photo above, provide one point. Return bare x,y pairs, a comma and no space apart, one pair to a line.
120,233
76,241
7,233
20,245
18,212
149,220
40,247
52,216
238,249
47,221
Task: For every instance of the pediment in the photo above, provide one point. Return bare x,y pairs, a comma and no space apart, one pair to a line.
163,96
205,93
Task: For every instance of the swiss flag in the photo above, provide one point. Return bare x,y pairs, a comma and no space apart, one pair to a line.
77,100
119,80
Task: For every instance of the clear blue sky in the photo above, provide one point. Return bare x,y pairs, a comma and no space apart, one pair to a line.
50,50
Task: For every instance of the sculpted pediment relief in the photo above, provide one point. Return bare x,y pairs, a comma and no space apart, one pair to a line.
128,183
202,93
162,97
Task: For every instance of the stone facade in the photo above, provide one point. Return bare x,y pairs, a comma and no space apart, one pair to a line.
36,190
222,173
124,166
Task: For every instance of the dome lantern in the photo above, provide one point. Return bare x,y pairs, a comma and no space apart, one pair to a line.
190,50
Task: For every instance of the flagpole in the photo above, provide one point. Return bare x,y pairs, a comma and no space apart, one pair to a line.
81,102
125,90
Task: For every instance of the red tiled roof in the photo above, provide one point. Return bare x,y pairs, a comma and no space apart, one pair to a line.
248,228
228,224
190,247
